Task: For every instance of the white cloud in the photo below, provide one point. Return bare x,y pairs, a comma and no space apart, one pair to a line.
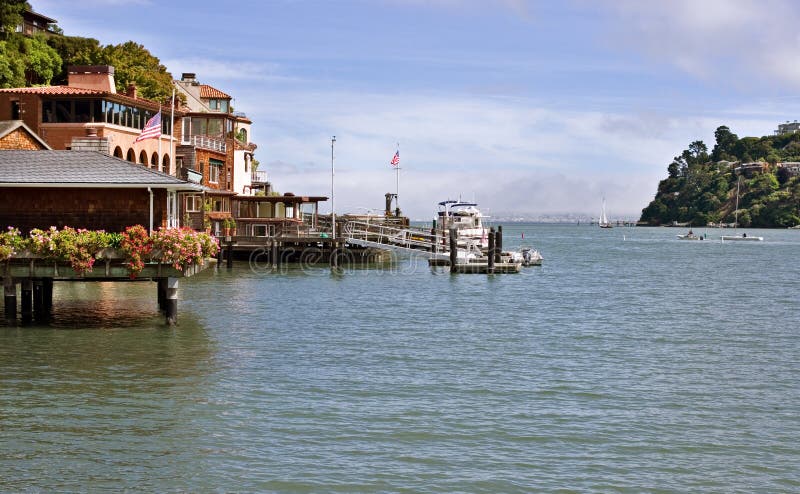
740,43
512,155
209,69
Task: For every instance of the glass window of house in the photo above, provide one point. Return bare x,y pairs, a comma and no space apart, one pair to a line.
199,126
63,111
223,105
82,110
215,127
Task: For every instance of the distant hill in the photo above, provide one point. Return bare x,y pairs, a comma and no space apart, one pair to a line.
701,188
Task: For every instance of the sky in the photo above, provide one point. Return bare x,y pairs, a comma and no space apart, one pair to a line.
531,108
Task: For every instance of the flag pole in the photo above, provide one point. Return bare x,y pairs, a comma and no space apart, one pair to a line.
158,164
397,185
172,132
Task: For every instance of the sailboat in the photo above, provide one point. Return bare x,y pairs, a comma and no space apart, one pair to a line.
603,218
743,236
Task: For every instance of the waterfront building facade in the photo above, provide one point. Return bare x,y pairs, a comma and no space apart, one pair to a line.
88,114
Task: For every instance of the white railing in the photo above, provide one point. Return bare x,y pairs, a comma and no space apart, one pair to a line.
259,176
408,238
206,142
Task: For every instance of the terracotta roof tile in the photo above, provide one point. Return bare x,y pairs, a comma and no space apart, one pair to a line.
76,91
57,90
207,91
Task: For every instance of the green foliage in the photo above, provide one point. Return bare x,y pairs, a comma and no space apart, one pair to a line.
133,63
11,16
74,50
701,188
25,61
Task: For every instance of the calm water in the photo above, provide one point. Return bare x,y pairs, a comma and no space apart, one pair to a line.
629,362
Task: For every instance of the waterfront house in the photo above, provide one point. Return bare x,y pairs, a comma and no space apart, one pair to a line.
89,114
214,147
277,215
85,189
14,134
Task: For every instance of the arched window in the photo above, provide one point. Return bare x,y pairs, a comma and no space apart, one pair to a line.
165,164
154,160
143,158
131,156
118,152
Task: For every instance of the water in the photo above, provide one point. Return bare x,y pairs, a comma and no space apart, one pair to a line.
628,362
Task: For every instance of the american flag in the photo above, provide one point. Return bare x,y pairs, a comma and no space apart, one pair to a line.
396,159
152,128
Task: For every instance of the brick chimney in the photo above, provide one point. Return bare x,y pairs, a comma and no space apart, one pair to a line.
99,77
131,91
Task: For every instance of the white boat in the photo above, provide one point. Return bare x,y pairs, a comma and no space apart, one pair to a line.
603,218
743,236
690,236
467,219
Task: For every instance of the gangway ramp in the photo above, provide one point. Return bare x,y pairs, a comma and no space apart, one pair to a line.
414,241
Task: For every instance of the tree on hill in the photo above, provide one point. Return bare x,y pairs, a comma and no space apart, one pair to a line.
700,188
133,63
25,61
74,50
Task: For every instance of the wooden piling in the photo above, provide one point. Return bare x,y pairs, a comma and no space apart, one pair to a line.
10,298
38,300
229,254
161,288
491,254
171,301
47,285
453,250
498,243
274,255
333,258
434,240
26,304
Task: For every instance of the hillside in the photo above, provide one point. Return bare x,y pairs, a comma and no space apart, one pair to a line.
701,188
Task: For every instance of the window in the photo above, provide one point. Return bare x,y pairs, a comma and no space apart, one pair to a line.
213,104
213,170
263,230
194,203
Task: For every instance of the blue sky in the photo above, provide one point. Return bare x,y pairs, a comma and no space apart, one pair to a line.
533,107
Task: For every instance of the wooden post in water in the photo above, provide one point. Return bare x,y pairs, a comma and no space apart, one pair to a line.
47,285
491,250
453,250
171,301
161,284
434,240
334,255
38,300
229,254
10,298
26,304
274,255
498,243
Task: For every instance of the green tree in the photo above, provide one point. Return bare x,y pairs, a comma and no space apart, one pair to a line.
41,61
725,144
133,63
74,50
27,60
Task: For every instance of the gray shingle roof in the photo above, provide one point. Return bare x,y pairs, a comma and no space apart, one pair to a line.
88,168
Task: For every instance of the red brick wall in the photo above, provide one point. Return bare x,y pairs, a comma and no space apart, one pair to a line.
102,209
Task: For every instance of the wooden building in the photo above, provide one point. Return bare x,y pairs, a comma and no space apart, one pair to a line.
85,189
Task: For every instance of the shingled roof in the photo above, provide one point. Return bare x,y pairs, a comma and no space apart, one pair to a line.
9,126
80,169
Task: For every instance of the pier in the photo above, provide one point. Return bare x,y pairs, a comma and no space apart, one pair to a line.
36,277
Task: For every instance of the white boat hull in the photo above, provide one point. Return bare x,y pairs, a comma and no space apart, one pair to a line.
739,238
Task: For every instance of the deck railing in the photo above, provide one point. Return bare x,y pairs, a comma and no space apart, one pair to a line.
206,142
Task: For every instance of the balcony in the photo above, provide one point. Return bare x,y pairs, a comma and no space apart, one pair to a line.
259,177
206,142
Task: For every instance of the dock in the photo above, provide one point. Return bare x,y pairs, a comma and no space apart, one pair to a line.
36,276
